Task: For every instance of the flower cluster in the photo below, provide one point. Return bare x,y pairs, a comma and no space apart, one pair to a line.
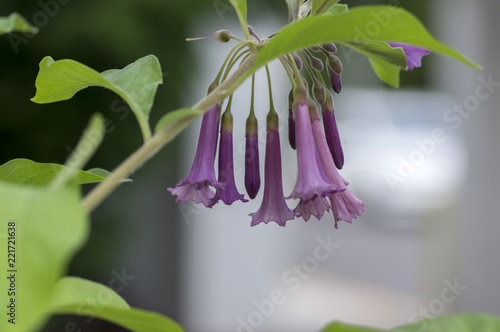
319,187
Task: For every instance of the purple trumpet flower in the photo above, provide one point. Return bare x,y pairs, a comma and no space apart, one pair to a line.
252,171
414,54
311,181
228,193
344,204
273,207
291,122
201,177
332,132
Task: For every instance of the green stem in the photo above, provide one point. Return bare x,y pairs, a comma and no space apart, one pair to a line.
161,138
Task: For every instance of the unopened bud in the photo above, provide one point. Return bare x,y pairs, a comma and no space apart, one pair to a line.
319,93
330,47
223,36
297,60
317,63
335,80
335,64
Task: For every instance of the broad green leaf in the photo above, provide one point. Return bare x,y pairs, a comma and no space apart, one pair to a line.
181,117
136,84
82,297
455,323
321,6
337,9
341,327
385,60
103,174
361,24
387,72
379,50
50,226
241,10
15,23
27,172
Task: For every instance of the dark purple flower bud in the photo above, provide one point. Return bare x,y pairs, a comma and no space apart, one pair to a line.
332,132
297,60
414,54
311,181
228,193
201,177
344,204
252,170
315,49
335,80
291,121
273,207
316,63
330,47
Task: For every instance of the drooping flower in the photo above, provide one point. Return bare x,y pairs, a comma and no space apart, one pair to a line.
252,170
273,207
201,178
414,54
344,204
311,181
291,121
332,132
228,192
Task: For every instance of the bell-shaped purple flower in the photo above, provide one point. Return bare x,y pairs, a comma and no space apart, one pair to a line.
344,204
201,177
414,54
311,181
316,207
252,171
291,121
273,207
332,132
228,193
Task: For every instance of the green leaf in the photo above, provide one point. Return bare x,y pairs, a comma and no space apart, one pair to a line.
27,172
361,24
341,327
321,6
15,23
385,60
103,174
455,323
50,226
178,118
136,84
379,50
83,297
387,72
241,10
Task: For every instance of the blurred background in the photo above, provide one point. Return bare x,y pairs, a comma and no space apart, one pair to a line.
423,159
